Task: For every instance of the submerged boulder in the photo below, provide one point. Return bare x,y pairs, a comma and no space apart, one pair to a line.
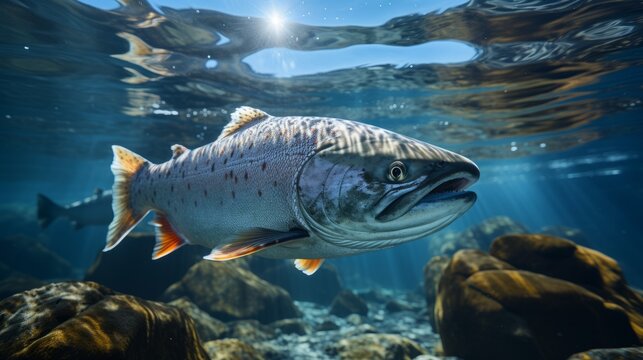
231,349
290,326
129,267
250,331
228,291
537,297
432,274
208,327
346,303
376,347
633,353
85,320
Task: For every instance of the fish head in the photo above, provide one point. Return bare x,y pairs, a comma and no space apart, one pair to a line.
369,188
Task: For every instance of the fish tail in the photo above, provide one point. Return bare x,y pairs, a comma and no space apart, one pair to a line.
125,165
47,211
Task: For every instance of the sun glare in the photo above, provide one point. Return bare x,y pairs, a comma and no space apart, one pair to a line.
276,21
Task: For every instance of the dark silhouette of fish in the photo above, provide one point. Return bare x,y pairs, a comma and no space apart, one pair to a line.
93,210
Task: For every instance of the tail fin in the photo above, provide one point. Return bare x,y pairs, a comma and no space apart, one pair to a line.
124,167
47,211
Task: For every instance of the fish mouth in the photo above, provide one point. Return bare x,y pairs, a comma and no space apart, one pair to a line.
449,187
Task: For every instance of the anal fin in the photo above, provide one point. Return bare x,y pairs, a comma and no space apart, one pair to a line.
167,240
252,241
308,266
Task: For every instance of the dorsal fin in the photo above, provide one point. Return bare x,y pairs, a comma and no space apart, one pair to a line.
177,150
241,117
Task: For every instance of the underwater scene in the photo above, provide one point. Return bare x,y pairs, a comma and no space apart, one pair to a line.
308,179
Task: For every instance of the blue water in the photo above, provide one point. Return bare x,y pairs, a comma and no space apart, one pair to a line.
544,95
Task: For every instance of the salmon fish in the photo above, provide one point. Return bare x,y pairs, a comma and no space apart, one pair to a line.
296,187
92,210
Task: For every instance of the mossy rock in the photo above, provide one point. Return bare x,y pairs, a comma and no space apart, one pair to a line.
539,297
84,320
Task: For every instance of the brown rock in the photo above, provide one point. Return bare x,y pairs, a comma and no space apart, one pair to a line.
432,273
486,308
84,320
231,349
228,291
376,347
562,259
291,326
610,354
208,327
251,331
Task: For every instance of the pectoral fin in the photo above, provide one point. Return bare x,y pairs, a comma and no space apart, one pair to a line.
308,266
252,241
167,240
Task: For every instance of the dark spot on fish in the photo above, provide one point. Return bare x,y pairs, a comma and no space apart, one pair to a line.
172,188
168,203
167,173
231,153
195,167
183,174
233,195
212,168
205,192
225,161
194,203
189,187
236,180
138,191
263,166
231,174
245,176
220,202
250,146
241,156
259,192
274,183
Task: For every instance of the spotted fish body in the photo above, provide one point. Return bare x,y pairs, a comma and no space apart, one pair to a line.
290,187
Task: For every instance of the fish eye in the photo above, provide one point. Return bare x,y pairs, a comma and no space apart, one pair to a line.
397,171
